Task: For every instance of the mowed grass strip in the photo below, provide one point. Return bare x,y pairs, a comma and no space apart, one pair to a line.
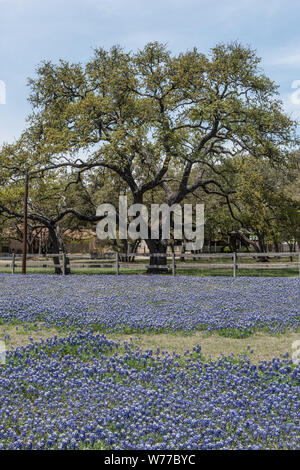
258,347
22,334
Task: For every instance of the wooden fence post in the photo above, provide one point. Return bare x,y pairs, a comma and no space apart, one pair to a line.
117,264
234,264
13,263
64,264
173,264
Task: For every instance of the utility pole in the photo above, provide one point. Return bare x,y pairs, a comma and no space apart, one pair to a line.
25,226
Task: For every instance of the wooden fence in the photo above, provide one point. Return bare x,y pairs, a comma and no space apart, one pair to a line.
140,262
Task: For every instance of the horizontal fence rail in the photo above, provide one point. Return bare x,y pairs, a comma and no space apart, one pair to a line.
141,261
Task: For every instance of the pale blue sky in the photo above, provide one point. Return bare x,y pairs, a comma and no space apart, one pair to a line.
36,30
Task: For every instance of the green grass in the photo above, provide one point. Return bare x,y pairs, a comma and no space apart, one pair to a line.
188,271
254,272
98,445
263,345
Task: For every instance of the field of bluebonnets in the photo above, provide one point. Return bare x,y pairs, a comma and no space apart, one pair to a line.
81,390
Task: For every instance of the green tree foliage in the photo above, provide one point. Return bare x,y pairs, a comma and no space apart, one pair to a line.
157,120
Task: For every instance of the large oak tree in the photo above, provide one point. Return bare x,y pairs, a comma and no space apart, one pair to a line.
150,115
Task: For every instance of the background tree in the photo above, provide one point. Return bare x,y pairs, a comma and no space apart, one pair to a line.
56,203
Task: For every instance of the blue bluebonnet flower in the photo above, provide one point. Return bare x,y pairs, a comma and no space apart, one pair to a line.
85,391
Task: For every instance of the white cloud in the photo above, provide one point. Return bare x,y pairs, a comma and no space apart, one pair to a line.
291,103
231,10
108,6
292,59
2,92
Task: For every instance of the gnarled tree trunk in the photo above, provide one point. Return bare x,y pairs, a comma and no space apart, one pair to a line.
55,249
67,268
158,256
